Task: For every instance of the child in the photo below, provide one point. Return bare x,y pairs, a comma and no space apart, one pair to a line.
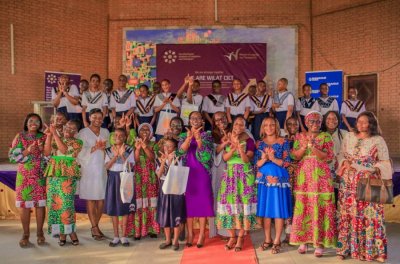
171,209
116,156
144,107
124,122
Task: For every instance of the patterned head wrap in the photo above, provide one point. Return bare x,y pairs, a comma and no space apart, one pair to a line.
313,115
150,128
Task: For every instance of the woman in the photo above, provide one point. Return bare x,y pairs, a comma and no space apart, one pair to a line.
116,156
330,125
236,196
361,225
196,148
92,186
171,208
314,212
144,221
30,186
274,195
220,135
62,174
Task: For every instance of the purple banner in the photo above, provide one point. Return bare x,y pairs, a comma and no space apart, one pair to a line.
51,81
208,62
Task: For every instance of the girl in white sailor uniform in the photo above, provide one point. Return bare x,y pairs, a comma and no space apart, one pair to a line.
237,102
144,112
304,105
122,100
93,98
351,109
283,105
326,102
212,103
261,104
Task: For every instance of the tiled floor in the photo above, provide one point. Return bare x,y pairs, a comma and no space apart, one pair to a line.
144,251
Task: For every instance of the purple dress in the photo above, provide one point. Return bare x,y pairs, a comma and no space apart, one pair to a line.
199,195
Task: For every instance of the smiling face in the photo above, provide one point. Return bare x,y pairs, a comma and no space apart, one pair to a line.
165,86
60,120
331,122
236,86
239,126
33,124
96,119
282,85
169,146
144,133
352,93
176,127
363,124
196,86
122,80
313,123
220,121
195,120
292,126
144,92
119,137
70,129
261,87
269,127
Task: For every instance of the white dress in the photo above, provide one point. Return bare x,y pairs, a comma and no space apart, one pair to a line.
93,182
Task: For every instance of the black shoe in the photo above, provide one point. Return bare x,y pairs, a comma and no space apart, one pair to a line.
176,247
136,238
126,244
62,243
153,235
112,244
165,245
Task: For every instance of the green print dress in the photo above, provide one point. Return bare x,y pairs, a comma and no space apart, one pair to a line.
314,210
63,173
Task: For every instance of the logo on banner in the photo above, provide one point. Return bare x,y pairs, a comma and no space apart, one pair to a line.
51,78
233,55
169,56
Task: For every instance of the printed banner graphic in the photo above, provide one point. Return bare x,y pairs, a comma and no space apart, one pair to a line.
334,79
209,62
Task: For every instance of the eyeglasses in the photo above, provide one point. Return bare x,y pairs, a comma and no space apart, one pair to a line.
314,122
220,119
176,126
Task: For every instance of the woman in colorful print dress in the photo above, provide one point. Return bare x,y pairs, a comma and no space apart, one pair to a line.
197,148
361,225
30,186
274,199
62,174
143,222
314,211
236,209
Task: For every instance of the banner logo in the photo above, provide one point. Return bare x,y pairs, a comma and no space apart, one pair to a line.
169,56
233,55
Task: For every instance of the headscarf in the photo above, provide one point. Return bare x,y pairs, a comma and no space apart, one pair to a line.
150,128
313,115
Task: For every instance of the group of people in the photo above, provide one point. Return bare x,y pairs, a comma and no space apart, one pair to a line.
254,160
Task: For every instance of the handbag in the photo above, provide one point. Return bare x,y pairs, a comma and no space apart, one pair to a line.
375,190
176,179
163,121
126,187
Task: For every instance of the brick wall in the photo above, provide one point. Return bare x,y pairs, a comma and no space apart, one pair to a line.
57,35
359,37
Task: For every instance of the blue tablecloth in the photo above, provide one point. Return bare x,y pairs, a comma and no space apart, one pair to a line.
8,178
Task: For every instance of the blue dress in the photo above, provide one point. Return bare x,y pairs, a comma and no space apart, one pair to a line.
274,198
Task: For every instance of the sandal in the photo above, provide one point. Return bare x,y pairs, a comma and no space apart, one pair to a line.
200,245
176,247
24,242
302,249
230,244
341,257
96,237
239,248
62,242
276,248
266,245
74,239
41,240
319,252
